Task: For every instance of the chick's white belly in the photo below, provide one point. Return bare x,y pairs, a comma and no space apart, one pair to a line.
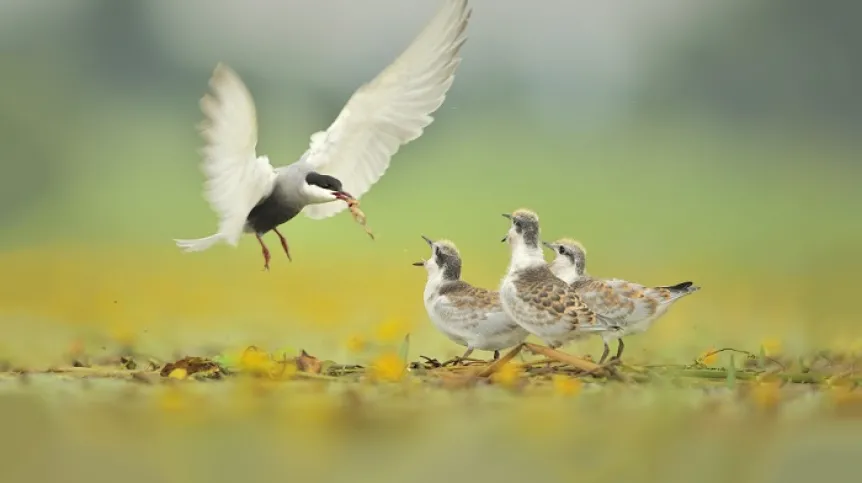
447,328
498,331
471,327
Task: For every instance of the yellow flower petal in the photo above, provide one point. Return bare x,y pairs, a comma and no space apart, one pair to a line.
388,367
508,375
709,357
771,347
356,344
766,394
391,331
257,362
178,373
566,386
172,400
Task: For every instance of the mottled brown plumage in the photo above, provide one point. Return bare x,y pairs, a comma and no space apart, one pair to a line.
627,302
468,315
534,297
631,306
539,287
463,295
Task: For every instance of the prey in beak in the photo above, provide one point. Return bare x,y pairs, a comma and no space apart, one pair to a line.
419,264
355,212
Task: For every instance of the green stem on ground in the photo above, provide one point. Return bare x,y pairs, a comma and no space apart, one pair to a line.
799,377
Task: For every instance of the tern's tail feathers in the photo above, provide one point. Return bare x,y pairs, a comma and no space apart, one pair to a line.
200,244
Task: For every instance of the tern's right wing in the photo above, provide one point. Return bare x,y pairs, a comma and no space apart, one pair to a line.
391,110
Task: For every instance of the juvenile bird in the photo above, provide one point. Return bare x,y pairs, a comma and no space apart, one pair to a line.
537,300
470,316
631,306
341,163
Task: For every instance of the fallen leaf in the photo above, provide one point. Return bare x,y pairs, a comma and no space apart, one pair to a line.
308,363
128,363
193,366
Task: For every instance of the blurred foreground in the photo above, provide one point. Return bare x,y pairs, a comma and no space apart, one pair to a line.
387,424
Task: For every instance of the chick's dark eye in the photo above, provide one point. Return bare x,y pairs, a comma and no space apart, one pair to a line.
561,251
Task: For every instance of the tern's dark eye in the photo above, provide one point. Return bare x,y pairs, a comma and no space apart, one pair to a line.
561,250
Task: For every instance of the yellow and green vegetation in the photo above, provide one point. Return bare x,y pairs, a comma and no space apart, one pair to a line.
119,351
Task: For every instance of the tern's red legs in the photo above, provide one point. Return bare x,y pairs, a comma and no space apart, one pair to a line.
283,243
263,247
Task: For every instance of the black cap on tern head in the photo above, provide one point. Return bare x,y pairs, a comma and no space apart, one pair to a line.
327,182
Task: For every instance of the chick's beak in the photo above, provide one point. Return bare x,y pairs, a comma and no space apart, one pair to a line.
549,245
507,216
427,240
418,264
504,239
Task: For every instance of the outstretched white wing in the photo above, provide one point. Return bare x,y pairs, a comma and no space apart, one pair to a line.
236,179
391,110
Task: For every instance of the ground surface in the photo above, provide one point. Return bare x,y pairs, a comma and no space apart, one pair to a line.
728,416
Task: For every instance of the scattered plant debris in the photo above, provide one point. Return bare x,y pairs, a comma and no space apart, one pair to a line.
192,366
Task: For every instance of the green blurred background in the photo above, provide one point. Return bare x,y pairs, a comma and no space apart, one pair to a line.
716,142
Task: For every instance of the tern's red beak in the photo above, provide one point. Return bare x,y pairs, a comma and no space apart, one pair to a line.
344,196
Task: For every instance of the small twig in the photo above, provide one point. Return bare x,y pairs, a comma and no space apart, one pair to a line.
752,355
94,371
540,362
487,371
569,359
803,378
